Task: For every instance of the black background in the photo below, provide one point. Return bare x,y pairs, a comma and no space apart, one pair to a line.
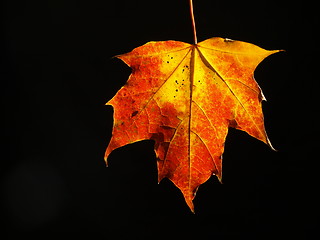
57,72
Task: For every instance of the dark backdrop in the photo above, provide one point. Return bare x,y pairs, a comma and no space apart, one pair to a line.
57,72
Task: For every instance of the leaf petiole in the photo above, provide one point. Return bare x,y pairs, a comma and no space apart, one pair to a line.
193,22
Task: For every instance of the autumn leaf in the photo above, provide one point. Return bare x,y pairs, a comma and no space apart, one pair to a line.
185,97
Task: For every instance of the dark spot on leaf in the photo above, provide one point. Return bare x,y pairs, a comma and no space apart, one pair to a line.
171,57
167,61
176,90
177,82
166,127
134,113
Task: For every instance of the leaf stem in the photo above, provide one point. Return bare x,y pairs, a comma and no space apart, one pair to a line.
193,22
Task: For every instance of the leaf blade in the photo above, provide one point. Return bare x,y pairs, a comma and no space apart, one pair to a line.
185,97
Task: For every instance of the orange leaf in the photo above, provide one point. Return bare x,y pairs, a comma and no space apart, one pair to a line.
185,97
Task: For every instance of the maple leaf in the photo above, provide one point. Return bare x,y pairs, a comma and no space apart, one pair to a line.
185,97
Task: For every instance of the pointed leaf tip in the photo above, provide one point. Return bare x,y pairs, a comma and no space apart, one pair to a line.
190,205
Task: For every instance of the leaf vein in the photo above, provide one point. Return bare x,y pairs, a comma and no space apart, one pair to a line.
207,63
206,148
